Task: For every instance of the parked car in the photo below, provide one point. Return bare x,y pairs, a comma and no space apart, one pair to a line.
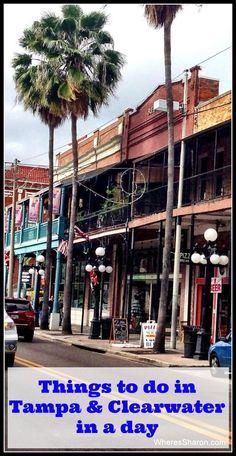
22,312
10,339
219,354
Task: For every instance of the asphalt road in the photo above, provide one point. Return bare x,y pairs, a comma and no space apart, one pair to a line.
56,354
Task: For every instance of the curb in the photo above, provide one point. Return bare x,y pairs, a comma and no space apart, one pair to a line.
132,356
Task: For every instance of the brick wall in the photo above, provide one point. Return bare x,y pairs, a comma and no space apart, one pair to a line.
213,112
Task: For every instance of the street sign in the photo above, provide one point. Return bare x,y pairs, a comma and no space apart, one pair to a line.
216,285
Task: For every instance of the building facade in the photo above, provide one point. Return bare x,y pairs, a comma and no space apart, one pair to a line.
122,185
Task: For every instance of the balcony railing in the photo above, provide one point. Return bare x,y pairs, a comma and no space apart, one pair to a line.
95,221
203,187
38,231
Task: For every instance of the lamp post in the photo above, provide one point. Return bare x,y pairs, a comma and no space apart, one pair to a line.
98,265
40,272
207,255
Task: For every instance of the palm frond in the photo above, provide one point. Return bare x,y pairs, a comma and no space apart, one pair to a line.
93,21
72,11
23,60
158,15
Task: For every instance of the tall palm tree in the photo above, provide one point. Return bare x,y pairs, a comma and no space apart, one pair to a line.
90,70
37,87
160,16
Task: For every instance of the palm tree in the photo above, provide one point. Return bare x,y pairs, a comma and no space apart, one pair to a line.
162,16
90,70
37,90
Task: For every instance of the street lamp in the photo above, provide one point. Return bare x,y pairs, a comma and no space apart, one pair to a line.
100,265
207,256
40,273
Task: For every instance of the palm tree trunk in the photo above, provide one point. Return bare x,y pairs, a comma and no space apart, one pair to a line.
44,319
159,344
66,326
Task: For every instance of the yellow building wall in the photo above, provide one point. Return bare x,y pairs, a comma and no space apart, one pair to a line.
213,112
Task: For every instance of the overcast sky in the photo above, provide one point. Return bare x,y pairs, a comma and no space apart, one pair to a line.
198,33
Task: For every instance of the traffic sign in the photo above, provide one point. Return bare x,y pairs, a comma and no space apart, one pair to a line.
216,285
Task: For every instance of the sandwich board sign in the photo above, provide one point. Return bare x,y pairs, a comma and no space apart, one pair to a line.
148,331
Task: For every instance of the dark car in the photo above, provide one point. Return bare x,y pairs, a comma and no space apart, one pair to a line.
219,354
23,315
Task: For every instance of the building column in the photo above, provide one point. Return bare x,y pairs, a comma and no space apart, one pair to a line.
20,269
23,223
55,315
36,294
40,216
5,278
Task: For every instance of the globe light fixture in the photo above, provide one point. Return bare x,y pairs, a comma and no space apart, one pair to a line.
196,258
203,259
88,267
31,271
214,258
40,259
101,268
109,269
100,251
210,235
41,272
223,261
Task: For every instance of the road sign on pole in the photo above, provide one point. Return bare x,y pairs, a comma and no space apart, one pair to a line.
216,285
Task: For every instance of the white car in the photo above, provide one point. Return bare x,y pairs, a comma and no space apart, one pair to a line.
10,339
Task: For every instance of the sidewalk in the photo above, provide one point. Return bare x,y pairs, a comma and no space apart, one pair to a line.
131,349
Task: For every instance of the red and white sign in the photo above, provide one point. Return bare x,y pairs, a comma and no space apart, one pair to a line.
33,209
216,285
56,200
19,212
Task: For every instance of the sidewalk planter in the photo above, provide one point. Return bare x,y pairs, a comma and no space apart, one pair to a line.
106,327
190,340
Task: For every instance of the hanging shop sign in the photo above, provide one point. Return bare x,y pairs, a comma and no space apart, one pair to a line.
148,332
19,212
56,200
26,277
6,221
33,209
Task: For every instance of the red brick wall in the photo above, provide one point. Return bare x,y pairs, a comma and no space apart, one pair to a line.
148,130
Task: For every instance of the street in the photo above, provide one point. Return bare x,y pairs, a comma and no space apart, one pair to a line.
53,354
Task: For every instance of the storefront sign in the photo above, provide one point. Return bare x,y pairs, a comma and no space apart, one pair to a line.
216,285
34,210
6,221
148,332
56,200
19,212
185,257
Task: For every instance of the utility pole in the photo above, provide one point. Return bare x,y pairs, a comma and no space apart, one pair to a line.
13,216
175,294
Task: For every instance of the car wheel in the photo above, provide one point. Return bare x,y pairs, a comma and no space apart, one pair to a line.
9,360
29,336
